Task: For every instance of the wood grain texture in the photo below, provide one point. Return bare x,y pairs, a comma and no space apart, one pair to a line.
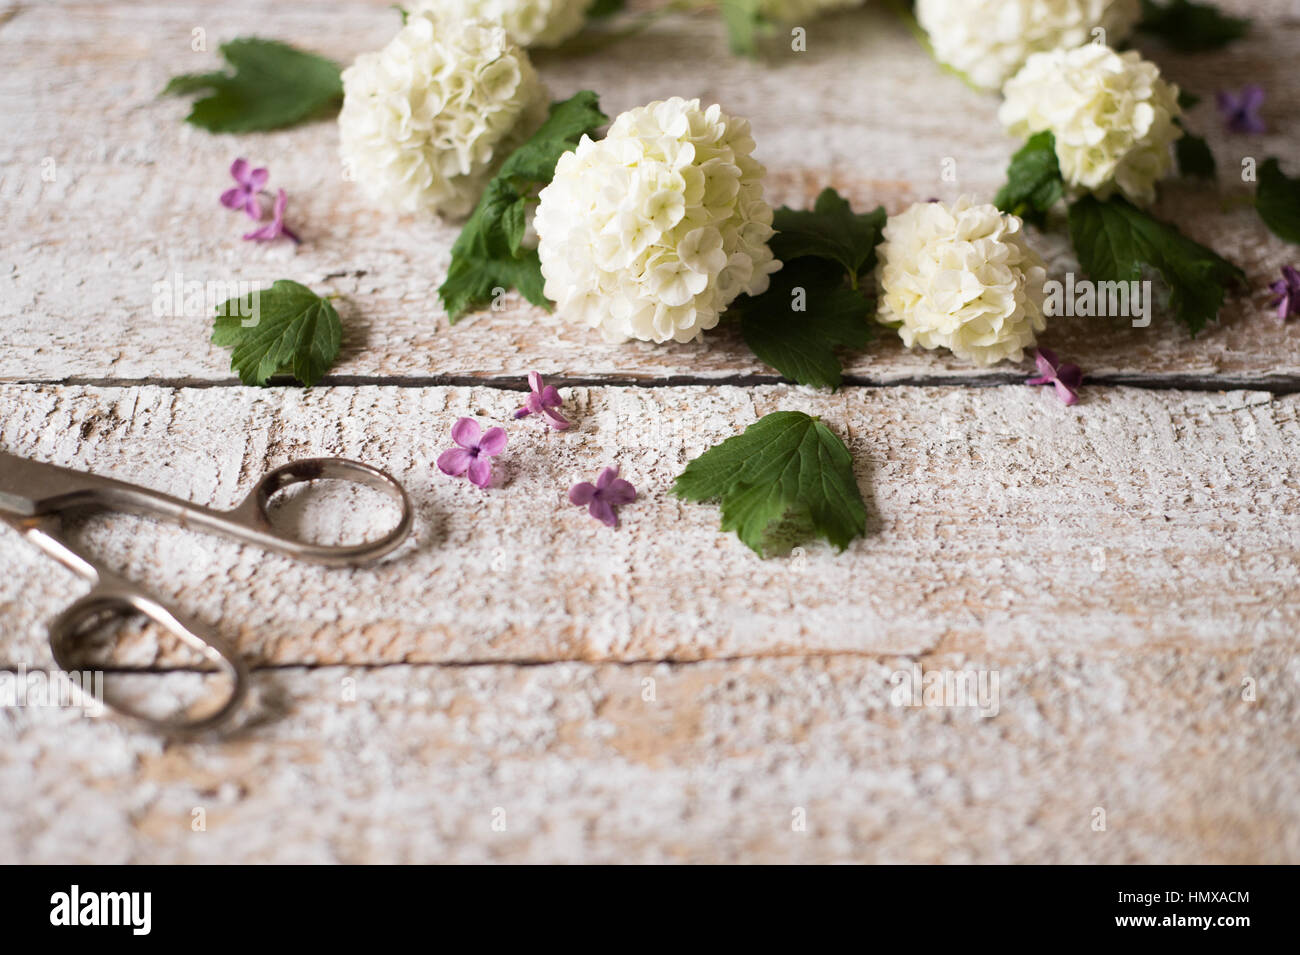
1127,566
580,766
997,517
132,201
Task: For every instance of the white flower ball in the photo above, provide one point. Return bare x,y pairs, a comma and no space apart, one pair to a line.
800,11
1111,113
529,22
428,119
961,277
989,40
652,231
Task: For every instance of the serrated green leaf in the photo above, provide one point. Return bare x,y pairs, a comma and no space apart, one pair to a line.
801,344
1194,157
286,328
1191,27
1277,199
533,163
1116,241
273,86
488,254
1034,182
785,479
830,230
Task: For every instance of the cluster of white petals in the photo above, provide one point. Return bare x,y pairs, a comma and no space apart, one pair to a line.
428,119
961,277
1111,113
989,40
529,22
652,231
796,12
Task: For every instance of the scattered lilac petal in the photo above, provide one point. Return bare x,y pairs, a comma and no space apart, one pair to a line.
493,442
466,432
543,399
244,195
1287,290
1065,377
454,461
604,497
582,493
472,457
1240,111
276,227
480,472
603,511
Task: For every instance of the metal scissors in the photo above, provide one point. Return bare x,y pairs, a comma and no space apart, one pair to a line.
34,497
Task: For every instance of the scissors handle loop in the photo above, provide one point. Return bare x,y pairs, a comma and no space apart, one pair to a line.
115,598
251,521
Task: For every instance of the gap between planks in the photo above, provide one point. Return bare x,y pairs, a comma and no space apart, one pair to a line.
804,657
1278,385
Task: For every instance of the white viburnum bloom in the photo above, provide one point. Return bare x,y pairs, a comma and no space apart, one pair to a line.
1111,113
529,22
651,232
795,12
427,120
961,277
989,40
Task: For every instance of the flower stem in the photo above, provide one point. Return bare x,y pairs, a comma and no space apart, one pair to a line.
904,13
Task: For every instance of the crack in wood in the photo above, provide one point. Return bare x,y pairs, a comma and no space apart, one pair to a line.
1279,385
804,656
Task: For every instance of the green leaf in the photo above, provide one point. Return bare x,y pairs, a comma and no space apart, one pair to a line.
488,255
801,344
1187,100
1277,199
1194,157
1116,241
605,8
274,85
788,478
287,328
1034,182
745,24
1191,27
830,230
806,313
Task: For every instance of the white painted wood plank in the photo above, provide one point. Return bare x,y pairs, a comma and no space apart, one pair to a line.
998,518
580,767
133,201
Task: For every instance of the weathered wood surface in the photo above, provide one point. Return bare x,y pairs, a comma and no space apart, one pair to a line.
579,765
133,197
998,518
1127,566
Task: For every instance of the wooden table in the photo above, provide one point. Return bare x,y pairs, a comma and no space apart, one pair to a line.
520,683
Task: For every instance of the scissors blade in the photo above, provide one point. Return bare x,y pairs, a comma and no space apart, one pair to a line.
28,488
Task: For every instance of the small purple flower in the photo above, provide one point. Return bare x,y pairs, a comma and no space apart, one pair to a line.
543,400
1287,290
276,227
245,195
1065,377
472,457
1240,111
609,492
